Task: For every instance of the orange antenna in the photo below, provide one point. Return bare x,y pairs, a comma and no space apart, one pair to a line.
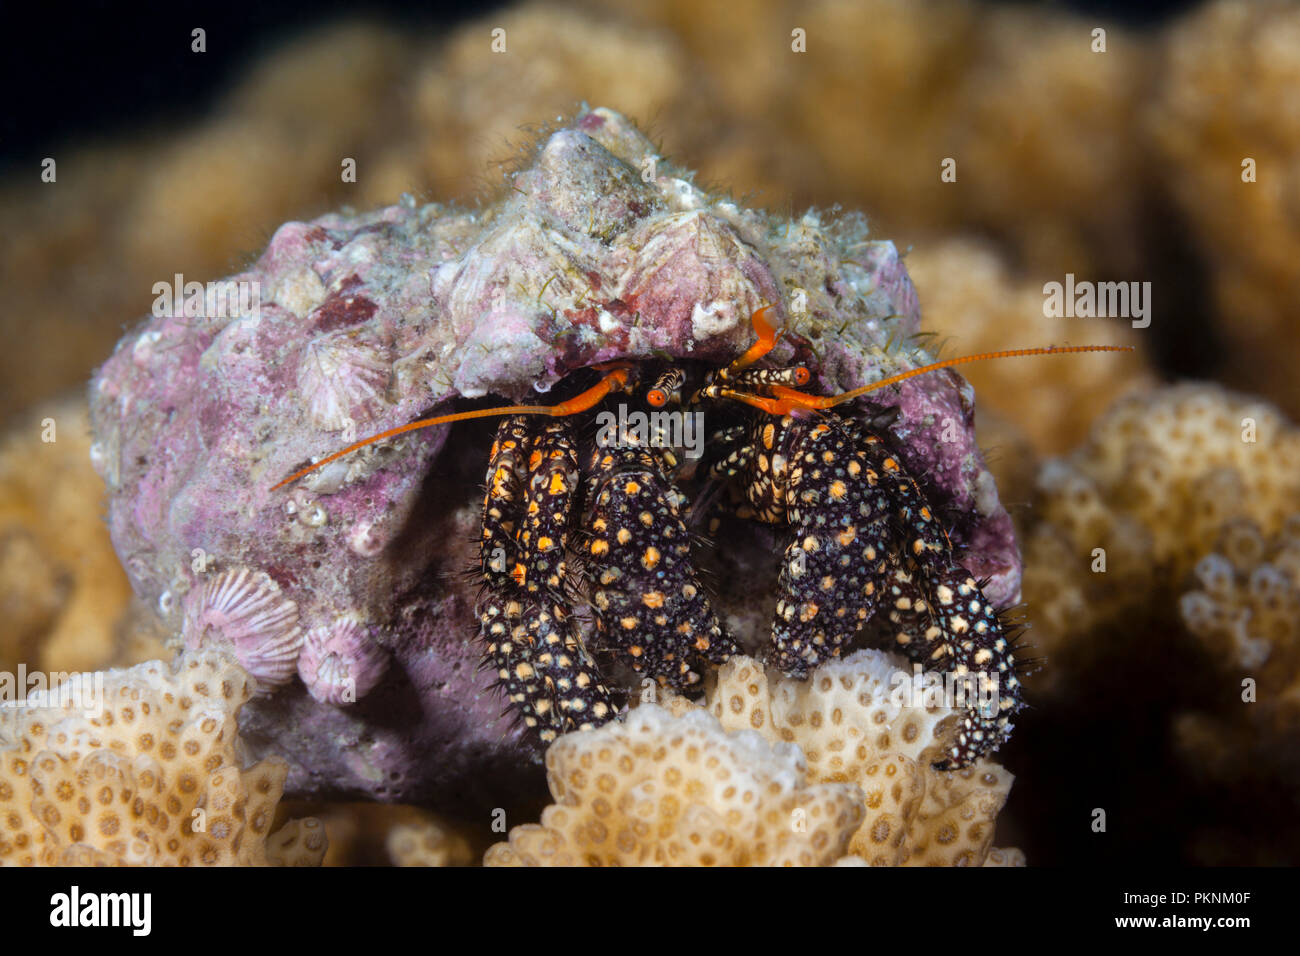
616,378
980,357
789,399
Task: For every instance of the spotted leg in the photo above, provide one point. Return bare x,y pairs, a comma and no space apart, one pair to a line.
524,615
837,560
906,615
552,485
813,478
646,595
500,608
964,636
550,501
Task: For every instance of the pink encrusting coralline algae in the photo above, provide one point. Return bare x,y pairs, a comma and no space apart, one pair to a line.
345,594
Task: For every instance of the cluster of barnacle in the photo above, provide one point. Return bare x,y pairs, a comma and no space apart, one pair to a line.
246,615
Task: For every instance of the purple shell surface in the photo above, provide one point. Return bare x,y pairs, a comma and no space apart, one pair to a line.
357,323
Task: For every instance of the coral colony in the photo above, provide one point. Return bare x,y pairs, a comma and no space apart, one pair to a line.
836,482
835,753
153,779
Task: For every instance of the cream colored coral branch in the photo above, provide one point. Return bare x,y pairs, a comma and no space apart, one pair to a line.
835,769
152,778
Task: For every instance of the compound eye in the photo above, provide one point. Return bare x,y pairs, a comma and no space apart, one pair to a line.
802,376
657,397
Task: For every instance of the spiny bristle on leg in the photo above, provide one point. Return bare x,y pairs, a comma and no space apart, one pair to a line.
978,647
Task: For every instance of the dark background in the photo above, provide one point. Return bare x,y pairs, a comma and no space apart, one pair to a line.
104,66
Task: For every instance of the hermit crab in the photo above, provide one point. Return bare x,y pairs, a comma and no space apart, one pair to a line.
581,527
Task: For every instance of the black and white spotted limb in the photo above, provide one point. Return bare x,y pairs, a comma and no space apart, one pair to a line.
646,595
965,636
862,537
815,479
647,600
529,637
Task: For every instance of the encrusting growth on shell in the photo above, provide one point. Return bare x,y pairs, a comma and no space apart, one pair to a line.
153,778
245,613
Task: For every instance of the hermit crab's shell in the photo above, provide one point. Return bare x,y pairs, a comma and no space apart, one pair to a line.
598,249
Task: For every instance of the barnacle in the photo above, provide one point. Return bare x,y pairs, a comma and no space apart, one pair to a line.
343,379
244,613
341,662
